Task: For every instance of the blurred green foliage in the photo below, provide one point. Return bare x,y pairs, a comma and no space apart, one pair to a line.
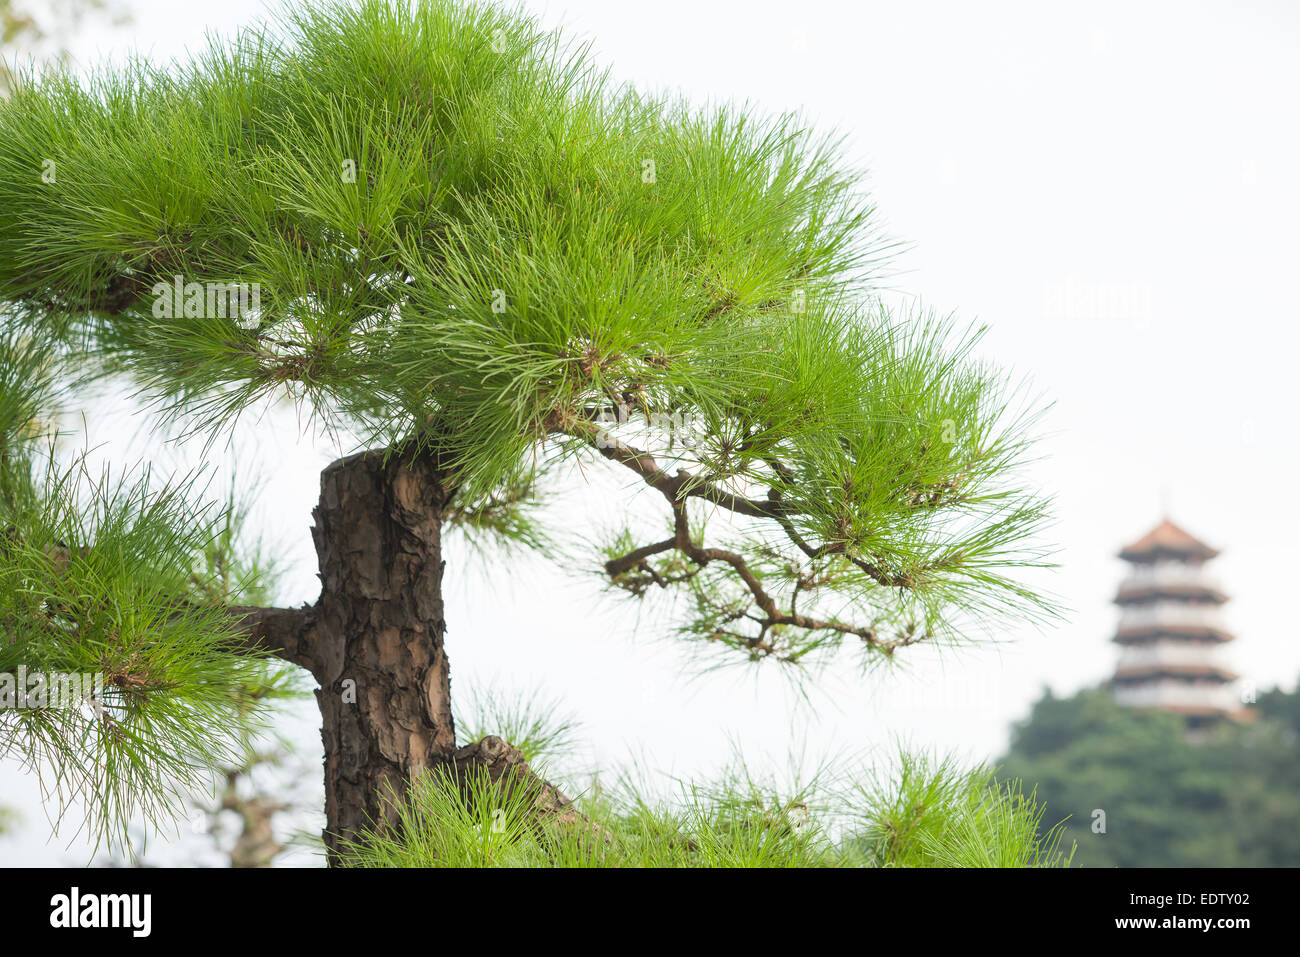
1231,799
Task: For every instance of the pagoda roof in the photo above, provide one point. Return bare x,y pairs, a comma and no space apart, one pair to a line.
1141,673
1169,539
1137,634
1136,594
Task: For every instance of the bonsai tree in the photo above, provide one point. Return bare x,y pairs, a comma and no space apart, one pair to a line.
459,245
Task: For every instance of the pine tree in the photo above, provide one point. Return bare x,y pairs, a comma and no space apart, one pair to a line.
456,242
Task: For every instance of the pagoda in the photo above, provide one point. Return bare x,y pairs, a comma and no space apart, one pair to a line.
1170,631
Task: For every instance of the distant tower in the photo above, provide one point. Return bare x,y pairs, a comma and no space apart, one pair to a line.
1169,630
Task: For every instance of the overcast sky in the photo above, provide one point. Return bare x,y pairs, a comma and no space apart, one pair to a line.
1111,187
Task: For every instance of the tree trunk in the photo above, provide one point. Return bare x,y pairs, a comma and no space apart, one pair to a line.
385,689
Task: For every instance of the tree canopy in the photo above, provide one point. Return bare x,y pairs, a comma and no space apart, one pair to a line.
447,233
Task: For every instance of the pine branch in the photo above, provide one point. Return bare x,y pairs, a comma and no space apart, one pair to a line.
678,489
286,632
674,487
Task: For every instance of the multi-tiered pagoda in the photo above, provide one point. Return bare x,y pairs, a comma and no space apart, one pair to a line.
1170,631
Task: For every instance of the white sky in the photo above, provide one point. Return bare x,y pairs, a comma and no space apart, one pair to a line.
1110,186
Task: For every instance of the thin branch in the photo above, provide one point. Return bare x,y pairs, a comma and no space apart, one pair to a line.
617,566
775,616
674,487
678,488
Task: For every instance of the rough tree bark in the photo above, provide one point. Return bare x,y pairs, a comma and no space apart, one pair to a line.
385,688
374,643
